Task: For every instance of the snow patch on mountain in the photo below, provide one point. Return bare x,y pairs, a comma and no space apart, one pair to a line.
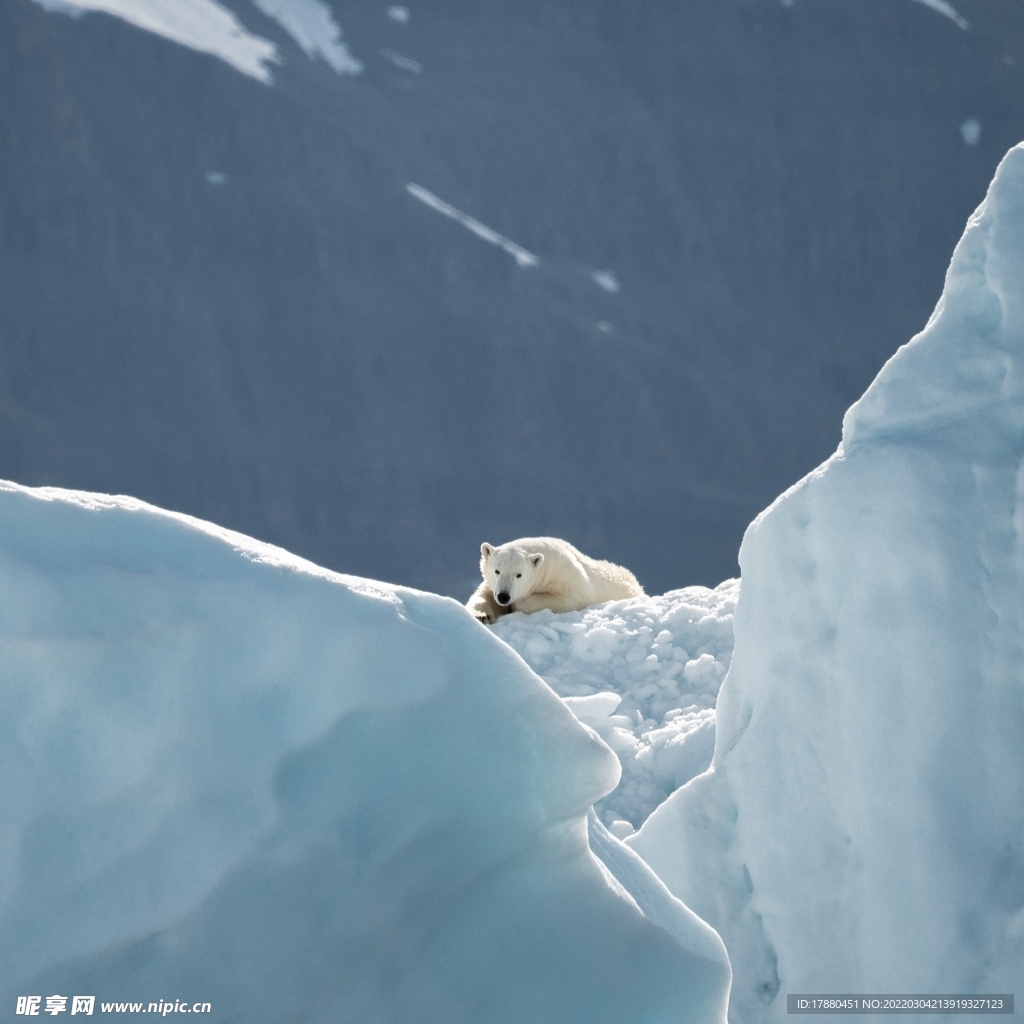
202,25
606,279
405,63
311,24
517,252
970,131
209,27
948,11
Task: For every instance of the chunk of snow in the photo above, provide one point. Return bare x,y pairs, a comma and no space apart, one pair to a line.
606,280
597,705
703,673
202,25
625,670
399,14
233,777
311,24
861,826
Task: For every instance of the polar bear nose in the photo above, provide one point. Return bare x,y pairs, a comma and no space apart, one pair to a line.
503,597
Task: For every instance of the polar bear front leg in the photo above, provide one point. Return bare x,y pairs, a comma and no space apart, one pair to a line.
483,607
554,602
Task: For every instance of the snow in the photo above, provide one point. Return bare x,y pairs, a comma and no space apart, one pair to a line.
970,131
311,24
607,280
202,25
405,63
860,829
399,14
67,7
517,252
644,674
948,11
520,255
233,777
209,27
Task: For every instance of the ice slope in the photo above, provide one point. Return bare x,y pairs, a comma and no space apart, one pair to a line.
644,674
862,825
233,777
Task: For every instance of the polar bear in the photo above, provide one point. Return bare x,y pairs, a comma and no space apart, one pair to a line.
545,572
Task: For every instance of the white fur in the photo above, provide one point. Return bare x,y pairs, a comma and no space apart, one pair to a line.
545,572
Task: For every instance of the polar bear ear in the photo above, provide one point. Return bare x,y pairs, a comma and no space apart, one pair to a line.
536,559
486,550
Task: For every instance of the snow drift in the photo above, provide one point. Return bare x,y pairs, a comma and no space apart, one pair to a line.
862,826
232,777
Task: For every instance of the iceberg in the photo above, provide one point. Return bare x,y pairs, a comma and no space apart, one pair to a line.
235,781
861,827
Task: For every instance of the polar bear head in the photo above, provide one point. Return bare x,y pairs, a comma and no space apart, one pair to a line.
509,571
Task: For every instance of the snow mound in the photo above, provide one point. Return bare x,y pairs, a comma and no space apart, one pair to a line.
644,674
232,777
862,826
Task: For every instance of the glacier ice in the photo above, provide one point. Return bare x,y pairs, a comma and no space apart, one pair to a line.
861,828
229,776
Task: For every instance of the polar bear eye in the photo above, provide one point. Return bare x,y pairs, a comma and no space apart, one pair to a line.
497,572
519,575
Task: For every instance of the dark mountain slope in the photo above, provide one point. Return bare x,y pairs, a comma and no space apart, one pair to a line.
309,354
